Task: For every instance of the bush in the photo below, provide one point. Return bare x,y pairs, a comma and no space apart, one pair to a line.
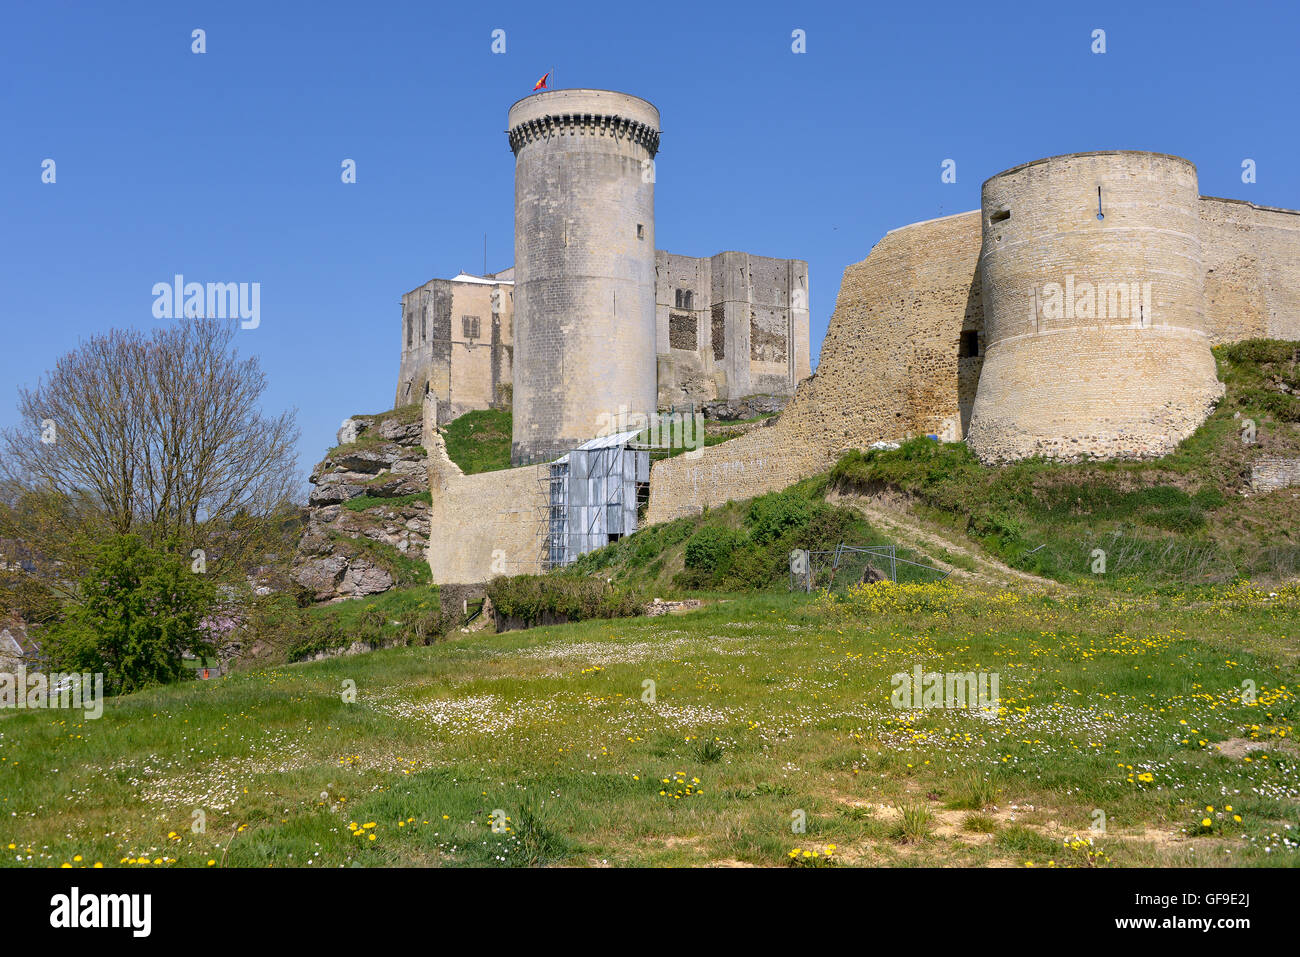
771,516
138,612
709,550
541,599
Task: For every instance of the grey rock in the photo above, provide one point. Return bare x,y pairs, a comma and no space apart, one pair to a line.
348,432
364,578
321,576
403,434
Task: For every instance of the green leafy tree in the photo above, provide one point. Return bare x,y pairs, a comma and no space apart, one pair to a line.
138,611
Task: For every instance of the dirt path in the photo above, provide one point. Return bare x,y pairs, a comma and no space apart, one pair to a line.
889,512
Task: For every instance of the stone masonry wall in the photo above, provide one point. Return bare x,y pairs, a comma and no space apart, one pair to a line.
1252,270
889,369
457,337
481,525
893,366
1268,474
1093,291
745,330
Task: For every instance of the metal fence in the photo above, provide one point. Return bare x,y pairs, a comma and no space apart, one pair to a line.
845,565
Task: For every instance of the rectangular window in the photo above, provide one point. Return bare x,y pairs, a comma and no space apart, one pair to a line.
999,215
469,327
640,231
970,344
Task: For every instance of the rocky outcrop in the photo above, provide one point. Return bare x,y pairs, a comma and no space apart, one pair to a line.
343,548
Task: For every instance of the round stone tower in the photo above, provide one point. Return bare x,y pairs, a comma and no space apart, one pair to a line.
1094,309
584,294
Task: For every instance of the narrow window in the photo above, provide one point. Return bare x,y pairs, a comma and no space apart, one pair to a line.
424,319
640,231
970,344
409,327
1000,216
688,300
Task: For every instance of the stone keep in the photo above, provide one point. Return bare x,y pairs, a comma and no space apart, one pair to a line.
584,294
1094,309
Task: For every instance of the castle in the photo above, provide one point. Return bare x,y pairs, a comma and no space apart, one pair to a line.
592,319
1070,316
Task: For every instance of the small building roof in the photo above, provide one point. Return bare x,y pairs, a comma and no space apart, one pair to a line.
613,441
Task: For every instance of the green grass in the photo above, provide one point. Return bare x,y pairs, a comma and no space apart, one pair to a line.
552,728
1180,518
479,441
363,502
395,605
738,546
404,415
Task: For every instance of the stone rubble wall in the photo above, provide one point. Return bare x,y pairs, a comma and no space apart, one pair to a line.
1274,472
1252,270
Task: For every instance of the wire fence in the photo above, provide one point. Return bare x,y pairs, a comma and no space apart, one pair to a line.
845,565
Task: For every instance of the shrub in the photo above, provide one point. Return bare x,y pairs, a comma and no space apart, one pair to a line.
771,516
709,550
916,821
138,612
535,599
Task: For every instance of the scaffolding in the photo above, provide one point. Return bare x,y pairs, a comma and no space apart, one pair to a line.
592,496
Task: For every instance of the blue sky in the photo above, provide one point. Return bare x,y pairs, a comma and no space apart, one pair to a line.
226,166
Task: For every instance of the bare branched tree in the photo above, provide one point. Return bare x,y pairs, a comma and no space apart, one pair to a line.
158,435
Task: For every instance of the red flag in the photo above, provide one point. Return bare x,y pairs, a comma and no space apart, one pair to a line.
541,84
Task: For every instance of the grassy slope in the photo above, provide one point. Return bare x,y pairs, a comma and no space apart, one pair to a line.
654,558
1180,518
479,441
549,726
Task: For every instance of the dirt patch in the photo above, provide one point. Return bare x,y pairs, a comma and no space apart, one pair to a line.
1240,747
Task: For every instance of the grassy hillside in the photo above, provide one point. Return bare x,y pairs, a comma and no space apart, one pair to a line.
765,709
1187,517
479,441
740,546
